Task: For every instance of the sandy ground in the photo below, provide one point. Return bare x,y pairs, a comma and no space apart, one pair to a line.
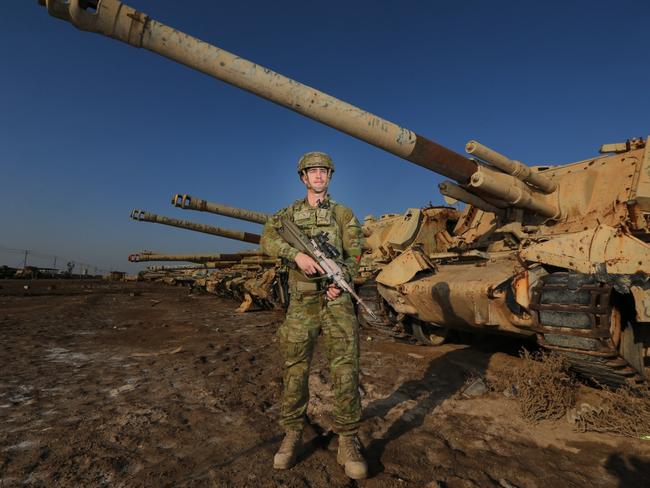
144,385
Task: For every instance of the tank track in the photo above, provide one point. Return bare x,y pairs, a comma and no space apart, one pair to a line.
384,322
572,315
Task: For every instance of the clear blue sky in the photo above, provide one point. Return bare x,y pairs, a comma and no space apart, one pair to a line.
92,128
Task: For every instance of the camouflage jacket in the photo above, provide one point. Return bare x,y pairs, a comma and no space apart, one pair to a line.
338,221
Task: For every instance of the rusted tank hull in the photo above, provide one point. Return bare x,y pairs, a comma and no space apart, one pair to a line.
474,295
465,296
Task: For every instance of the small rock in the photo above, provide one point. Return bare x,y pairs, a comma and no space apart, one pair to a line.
415,356
116,391
510,392
506,484
476,388
574,414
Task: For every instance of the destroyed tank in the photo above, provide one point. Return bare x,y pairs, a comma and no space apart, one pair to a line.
560,253
250,277
384,239
256,280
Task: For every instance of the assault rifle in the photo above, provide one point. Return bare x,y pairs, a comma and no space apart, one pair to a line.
324,253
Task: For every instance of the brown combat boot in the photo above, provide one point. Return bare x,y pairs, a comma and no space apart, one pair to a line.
287,454
350,456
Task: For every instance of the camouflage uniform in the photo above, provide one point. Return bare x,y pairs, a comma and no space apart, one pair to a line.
310,313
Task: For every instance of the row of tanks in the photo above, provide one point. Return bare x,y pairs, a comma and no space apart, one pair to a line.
385,238
560,253
254,279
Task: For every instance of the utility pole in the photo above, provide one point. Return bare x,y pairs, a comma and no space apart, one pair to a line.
25,260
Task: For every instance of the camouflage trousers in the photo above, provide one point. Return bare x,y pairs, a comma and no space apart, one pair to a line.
307,317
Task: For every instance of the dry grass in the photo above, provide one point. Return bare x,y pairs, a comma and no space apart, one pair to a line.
623,412
545,390
543,386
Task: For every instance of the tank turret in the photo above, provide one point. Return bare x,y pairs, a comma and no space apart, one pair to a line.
238,235
193,203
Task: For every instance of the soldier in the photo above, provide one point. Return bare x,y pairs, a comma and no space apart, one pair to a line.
316,308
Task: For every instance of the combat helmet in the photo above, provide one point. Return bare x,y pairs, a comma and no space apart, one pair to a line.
315,159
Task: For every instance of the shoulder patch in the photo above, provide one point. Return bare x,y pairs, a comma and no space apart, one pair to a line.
343,214
353,222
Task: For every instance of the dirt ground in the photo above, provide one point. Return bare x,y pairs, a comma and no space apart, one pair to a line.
106,384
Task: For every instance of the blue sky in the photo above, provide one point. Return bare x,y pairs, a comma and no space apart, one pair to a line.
92,128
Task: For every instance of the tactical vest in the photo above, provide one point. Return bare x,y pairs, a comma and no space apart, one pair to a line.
313,221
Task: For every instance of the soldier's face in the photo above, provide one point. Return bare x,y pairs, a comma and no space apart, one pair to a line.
317,179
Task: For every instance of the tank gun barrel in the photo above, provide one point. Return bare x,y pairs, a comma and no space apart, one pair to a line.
504,183
207,265
511,167
178,267
199,266
260,260
117,20
193,203
513,191
246,261
456,192
191,258
206,229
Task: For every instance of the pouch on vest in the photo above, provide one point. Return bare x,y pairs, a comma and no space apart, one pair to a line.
304,218
323,216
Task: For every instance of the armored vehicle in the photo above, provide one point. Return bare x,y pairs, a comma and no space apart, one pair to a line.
388,236
561,253
252,278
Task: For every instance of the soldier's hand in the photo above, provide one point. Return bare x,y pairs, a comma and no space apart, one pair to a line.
333,292
307,264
